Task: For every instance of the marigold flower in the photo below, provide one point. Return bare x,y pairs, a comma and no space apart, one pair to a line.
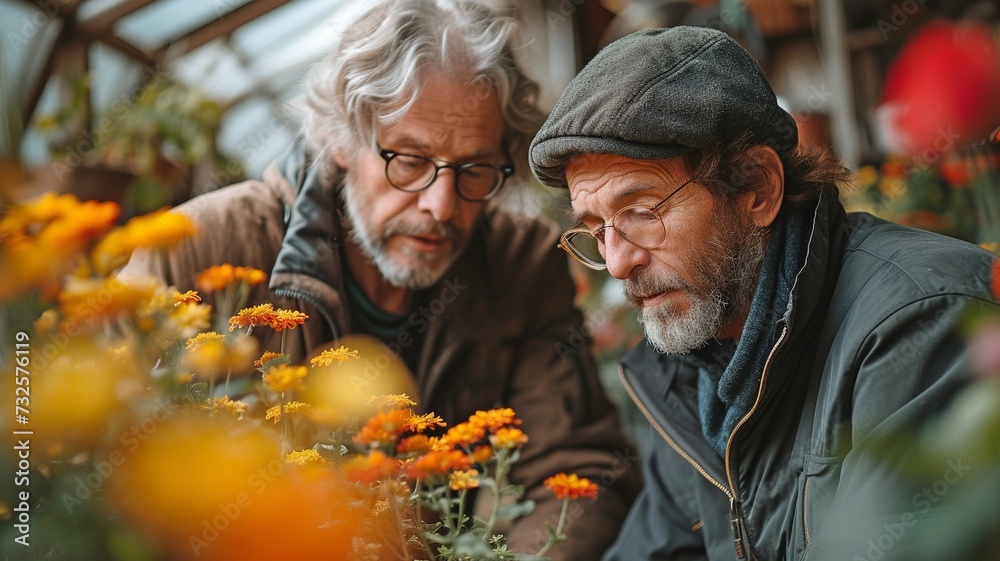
190,318
996,279
508,438
251,276
384,428
220,404
306,457
481,454
189,297
371,468
416,444
284,377
462,480
437,462
494,419
287,319
392,400
200,339
463,435
261,314
274,413
157,230
380,507
216,278
213,357
265,358
89,301
420,423
571,486
327,357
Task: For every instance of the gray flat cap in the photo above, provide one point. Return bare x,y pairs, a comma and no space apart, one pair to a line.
657,94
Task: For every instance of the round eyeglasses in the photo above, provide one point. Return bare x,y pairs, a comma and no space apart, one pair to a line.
473,182
640,225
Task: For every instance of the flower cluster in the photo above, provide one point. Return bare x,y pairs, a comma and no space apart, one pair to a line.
170,395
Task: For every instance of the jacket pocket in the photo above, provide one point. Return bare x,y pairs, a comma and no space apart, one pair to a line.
817,487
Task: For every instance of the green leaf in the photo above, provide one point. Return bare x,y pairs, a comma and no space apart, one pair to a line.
516,510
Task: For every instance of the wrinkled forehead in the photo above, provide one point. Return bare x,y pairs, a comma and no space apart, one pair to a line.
599,184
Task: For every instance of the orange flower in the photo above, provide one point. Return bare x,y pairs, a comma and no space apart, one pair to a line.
996,279
420,423
463,435
284,377
287,319
571,486
384,428
494,419
327,357
508,438
369,469
437,462
264,358
249,275
416,444
481,454
462,480
91,301
189,297
261,314
215,278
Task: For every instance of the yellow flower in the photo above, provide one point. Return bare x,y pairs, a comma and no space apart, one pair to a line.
189,297
327,357
214,357
190,318
284,377
508,437
90,301
380,507
184,377
571,486
420,423
494,419
393,400
219,404
462,480
46,322
157,230
305,457
287,319
274,413
200,339
261,314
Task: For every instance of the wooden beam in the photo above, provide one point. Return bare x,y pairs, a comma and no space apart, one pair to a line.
220,27
126,48
104,22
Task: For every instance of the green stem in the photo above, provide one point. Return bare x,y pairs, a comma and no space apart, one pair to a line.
501,471
558,537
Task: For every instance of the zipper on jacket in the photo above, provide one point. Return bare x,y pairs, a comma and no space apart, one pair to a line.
666,437
314,301
739,529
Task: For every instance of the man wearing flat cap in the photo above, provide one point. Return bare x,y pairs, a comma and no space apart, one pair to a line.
785,338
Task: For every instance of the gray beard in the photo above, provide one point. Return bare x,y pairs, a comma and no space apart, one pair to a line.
423,271
723,288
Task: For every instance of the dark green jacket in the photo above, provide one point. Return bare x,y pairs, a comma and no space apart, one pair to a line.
868,350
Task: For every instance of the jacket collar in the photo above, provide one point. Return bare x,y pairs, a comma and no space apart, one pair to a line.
813,286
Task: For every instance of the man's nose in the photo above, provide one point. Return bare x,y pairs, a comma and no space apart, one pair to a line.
441,198
623,257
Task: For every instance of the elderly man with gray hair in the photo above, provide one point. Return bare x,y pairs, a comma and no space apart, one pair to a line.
385,223
789,345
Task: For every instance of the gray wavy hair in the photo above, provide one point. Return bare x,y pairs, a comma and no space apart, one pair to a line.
375,73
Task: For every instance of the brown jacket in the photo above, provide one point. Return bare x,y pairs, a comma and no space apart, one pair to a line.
500,330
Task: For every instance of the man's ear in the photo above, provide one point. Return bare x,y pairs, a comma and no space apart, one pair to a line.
764,202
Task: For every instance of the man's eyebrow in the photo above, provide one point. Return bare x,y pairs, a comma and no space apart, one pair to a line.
578,217
408,140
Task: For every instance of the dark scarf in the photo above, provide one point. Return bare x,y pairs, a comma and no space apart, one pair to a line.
723,399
